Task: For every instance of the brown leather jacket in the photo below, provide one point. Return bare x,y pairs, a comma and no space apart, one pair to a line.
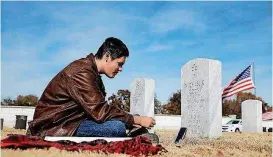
76,93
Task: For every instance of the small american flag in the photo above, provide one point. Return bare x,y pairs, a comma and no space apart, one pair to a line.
240,83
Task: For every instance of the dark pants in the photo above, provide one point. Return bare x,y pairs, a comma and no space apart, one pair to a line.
112,128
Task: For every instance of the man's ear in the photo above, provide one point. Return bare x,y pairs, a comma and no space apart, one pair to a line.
107,57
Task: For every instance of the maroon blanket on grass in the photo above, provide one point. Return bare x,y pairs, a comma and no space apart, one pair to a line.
136,146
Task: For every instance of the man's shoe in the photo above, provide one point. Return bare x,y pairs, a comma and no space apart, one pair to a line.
143,132
153,137
137,131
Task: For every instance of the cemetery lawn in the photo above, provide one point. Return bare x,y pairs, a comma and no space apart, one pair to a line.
230,144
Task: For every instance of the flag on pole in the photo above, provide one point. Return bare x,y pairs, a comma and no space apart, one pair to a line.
240,83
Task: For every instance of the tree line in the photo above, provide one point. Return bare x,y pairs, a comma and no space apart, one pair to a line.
28,100
121,99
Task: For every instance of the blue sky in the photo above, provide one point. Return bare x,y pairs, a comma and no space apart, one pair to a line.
41,38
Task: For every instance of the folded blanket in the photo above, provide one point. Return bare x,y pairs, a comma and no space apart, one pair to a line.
137,146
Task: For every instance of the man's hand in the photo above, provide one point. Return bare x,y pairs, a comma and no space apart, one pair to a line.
144,121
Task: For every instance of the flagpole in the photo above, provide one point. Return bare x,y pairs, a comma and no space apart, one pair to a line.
253,78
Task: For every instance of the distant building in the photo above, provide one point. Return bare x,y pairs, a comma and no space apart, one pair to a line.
267,116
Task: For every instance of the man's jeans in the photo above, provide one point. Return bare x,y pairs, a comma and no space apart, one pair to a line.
112,128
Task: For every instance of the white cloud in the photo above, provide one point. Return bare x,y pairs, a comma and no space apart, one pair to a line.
19,46
261,69
157,47
25,70
169,20
23,79
82,30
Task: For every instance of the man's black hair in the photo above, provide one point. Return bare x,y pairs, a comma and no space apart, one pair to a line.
114,47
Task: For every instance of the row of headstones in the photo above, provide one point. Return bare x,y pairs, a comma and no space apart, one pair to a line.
201,100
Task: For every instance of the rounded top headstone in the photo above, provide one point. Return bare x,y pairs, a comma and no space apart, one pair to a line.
251,101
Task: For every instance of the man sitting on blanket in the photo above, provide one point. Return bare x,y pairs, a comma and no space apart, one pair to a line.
73,103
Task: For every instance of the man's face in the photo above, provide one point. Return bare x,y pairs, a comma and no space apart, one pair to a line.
112,67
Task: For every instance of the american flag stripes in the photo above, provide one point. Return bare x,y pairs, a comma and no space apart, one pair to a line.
240,83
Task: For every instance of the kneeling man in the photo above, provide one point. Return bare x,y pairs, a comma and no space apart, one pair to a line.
73,103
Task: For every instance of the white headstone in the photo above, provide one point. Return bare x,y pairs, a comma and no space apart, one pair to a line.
142,97
201,101
251,116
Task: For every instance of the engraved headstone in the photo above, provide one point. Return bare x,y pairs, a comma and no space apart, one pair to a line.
251,116
201,101
142,97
